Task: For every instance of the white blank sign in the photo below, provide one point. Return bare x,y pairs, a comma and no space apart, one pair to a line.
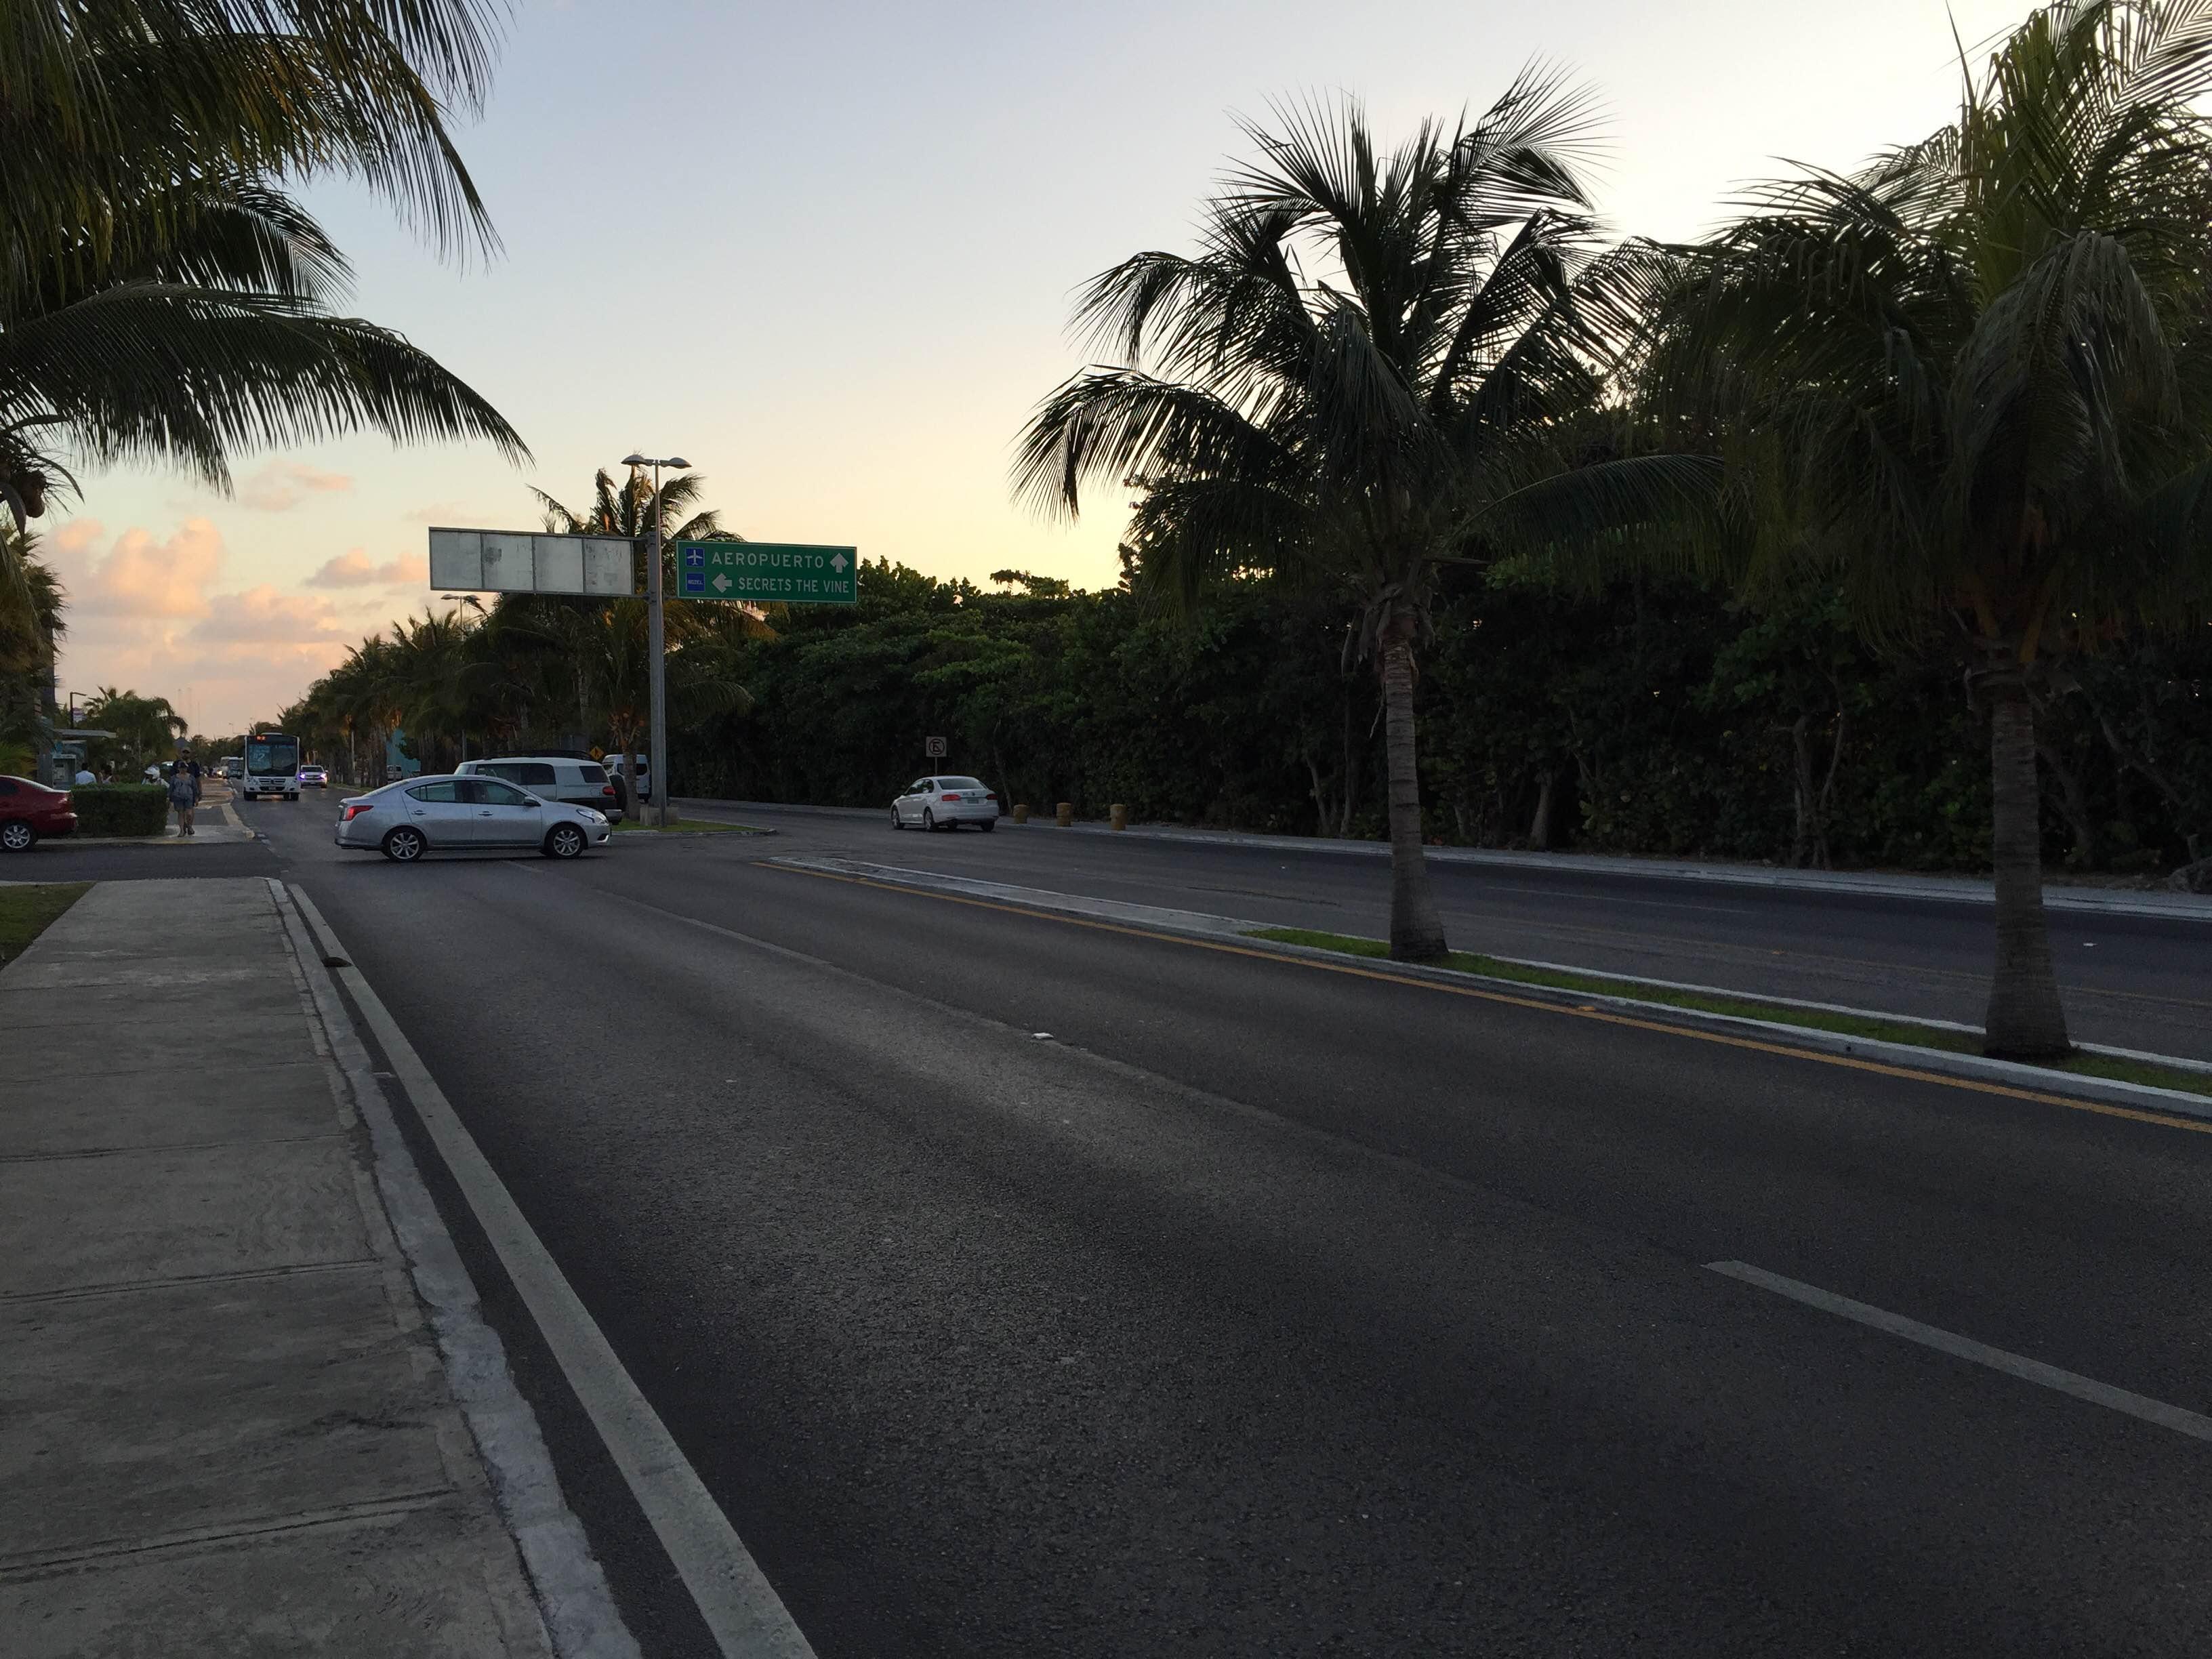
560,563
607,567
510,563
457,560
525,562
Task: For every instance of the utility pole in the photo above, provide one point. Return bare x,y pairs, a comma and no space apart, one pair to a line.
657,644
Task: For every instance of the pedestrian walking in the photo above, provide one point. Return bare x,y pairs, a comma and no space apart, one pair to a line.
184,797
84,775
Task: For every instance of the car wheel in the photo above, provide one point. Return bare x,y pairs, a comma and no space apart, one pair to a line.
988,825
564,840
402,845
17,836
928,821
896,823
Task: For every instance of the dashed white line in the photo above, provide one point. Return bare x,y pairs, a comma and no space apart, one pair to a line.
1964,1347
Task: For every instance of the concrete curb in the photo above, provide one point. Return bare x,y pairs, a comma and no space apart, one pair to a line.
581,1620
1942,889
1217,929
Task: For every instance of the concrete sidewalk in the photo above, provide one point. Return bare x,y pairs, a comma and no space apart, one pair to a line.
224,1425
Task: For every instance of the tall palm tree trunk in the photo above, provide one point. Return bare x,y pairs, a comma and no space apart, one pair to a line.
2025,1019
1417,931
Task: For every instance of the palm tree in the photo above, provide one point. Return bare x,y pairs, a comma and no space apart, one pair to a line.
607,641
1374,367
1970,385
160,297
31,599
147,729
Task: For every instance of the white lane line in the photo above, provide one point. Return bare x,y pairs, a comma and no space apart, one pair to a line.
1963,1347
739,1605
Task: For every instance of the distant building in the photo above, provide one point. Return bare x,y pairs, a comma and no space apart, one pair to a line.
397,762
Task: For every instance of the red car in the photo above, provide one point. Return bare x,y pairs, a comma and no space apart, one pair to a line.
28,810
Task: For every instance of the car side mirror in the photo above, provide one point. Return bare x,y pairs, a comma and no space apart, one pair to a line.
531,800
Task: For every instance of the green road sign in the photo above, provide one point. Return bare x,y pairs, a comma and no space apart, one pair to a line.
767,573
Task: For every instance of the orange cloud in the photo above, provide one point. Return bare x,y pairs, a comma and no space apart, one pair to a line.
352,568
138,576
262,616
282,485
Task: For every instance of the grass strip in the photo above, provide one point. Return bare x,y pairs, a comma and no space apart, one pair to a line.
693,826
28,911
1874,1028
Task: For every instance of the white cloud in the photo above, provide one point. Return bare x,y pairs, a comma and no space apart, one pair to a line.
280,486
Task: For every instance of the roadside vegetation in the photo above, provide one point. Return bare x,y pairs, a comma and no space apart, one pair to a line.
1875,529
164,297
28,909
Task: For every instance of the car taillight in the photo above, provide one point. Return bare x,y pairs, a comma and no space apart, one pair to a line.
607,789
354,809
990,797
948,798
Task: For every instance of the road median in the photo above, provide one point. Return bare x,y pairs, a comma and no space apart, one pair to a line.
2109,1080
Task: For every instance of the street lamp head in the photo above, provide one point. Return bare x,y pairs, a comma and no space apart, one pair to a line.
649,460
634,460
676,460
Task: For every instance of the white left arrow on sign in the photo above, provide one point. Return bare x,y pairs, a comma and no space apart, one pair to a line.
721,583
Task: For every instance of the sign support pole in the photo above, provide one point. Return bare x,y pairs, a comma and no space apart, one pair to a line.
659,652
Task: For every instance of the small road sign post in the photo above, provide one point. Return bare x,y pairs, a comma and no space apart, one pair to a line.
933,747
767,573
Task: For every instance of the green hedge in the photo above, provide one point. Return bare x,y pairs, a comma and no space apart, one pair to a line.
120,809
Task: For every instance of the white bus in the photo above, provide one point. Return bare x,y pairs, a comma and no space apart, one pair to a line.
272,766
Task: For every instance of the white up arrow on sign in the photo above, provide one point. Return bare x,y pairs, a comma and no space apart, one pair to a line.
837,564
721,583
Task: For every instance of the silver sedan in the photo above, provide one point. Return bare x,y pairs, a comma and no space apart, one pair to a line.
945,803
405,820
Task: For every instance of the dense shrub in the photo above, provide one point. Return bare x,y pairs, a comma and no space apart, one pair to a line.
1654,719
120,809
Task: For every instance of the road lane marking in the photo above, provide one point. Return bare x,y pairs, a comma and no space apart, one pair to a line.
739,1606
1573,1011
1964,1347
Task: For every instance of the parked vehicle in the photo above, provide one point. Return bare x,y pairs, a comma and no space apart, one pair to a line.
946,802
451,813
613,765
314,776
559,777
231,768
28,810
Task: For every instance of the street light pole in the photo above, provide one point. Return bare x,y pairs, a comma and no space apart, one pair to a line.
657,642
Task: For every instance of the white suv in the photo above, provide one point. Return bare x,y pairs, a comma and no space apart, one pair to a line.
558,777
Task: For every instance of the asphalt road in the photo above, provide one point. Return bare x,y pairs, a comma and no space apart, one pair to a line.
2132,982
1020,1288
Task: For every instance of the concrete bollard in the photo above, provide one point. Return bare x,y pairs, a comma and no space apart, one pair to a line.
1022,813
1118,816
1065,816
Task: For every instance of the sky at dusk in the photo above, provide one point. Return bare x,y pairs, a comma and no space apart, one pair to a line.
826,253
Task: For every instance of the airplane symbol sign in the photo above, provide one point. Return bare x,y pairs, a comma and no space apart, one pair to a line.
767,573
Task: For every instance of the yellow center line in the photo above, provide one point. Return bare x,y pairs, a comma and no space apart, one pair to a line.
1508,1000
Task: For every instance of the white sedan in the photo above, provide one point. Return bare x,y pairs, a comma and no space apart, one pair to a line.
945,804
405,820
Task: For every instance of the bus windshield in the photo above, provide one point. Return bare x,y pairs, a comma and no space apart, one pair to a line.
272,757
